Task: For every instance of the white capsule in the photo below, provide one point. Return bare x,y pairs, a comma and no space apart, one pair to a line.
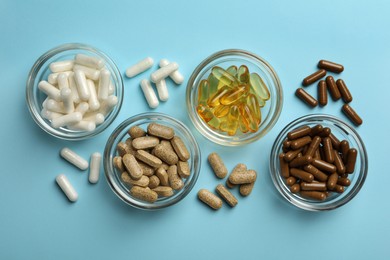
90,73
176,76
73,88
49,90
74,158
107,106
139,67
83,125
96,118
62,81
94,170
55,106
163,72
111,88
82,108
49,115
82,86
45,101
67,187
67,99
52,78
104,83
90,61
69,119
60,66
149,93
162,90
93,101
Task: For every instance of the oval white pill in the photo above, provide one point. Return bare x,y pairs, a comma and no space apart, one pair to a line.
163,72
162,90
68,119
176,76
55,106
90,73
107,106
82,108
149,94
73,88
104,83
74,158
81,84
67,187
83,125
60,66
94,170
67,99
89,61
49,90
93,102
139,67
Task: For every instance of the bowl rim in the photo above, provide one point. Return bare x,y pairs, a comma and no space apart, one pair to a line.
343,126
107,161
222,139
30,86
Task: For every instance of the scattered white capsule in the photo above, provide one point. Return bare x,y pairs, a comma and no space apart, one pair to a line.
67,99
107,106
83,125
60,66
55,106
96,118
62,81
94,170
49,90
104,83
139,67
67,187
69,119
52,78
82,108
49,115
81,83
93,102
90,73
73,88
164,72
149,93
176,76
74,158
89,61
162,90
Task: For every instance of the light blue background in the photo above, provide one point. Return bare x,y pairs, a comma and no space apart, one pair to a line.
36,220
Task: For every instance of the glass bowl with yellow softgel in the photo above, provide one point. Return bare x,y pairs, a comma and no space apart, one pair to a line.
234,97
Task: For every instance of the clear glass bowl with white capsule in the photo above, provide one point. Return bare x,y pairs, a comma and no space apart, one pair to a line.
44,109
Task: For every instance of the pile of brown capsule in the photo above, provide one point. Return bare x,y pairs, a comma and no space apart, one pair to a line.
315,163
337,89
230,100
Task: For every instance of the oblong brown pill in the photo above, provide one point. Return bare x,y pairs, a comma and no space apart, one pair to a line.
339,188
300,142
145,142
183,168
291,181
314,77
322,93
226,195
161,131
180,148
290,155
315,143
299,132
338,162
326,131
344,91
229,184
174,179
315,186
148,158
318,175
328,150
300,174
317,195
162,174
332,181
166,155
132,166
295,188
117,162
122,148
144,194
330,66
284,168
306,97
344,148
217,165
333,89
154,181
315,130
210,199
344,181
352,115
146,169
323,166
351,161
335,141
142,182
136,131
300,161
246,189
163,191
243,177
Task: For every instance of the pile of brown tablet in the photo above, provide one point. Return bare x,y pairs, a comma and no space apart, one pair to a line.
337,89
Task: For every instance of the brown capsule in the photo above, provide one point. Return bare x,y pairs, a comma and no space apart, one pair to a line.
145,142
299,132
286,144
163,191
314,77
332,87
175,181
122,149
300,161
351,161
338,162
217,165
136,131
229,184
142,182
161,131
301,142
344,91
117,161
318,175
317,154
344,148
317,195
304,149
316,186
315,143
183,168
226,195
303,175
322,93
291,181
322,154
295,188
180,148
154,182
332,181
166,155
338,189
315,130
210,199
148,158
240,177
132,166
335,141
323,166
343,181
306,97
162,174
352,115
284,168
145,194
328,150
146,169
325,132
330,66
290,155
246,189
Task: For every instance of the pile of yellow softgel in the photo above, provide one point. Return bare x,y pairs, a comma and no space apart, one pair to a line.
230,100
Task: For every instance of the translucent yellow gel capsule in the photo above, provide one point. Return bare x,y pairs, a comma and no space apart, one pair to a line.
231,124
232,70
214,99
213,84
243,74
214,123
261,102
242,126
203,92
204,112
223,76
248,118
234,94
221,111
259,86
253,104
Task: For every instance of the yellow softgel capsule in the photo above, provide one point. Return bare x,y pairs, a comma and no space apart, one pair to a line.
221,111
243,74
253,104
204,112
223,76
215,99
232,70
234,94
213,84
242,126
231,124
214,123
248,117
259,87
203,91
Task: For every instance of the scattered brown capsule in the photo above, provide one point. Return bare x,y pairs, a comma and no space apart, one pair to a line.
306,97
314,77
210,199
246,189
344,91
226,195
352,115
332,87
217,165
330,66
322,93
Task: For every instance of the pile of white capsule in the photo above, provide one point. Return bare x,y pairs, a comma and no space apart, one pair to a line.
80,93
167,69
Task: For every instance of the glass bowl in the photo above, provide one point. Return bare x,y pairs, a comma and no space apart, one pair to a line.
40,71
120,134
270,112
342,131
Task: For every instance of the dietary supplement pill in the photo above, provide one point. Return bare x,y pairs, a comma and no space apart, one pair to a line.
328,150
132,166
352,115
284,168
226,195
166,155
94,170
161,131
163,191
243,177
67,187
183,168
344,91
314,186
246,189
174,179
148,158
300,142
142,182
180,148
330,66
145,142
322,93
306,97
162,174
154,182
351,161
210,199
217,165
314,77
144,194
74,158
136,131
333,89
317,195
303,175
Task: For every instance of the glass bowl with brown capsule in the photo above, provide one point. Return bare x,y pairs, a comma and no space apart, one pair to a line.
318,162
234,97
